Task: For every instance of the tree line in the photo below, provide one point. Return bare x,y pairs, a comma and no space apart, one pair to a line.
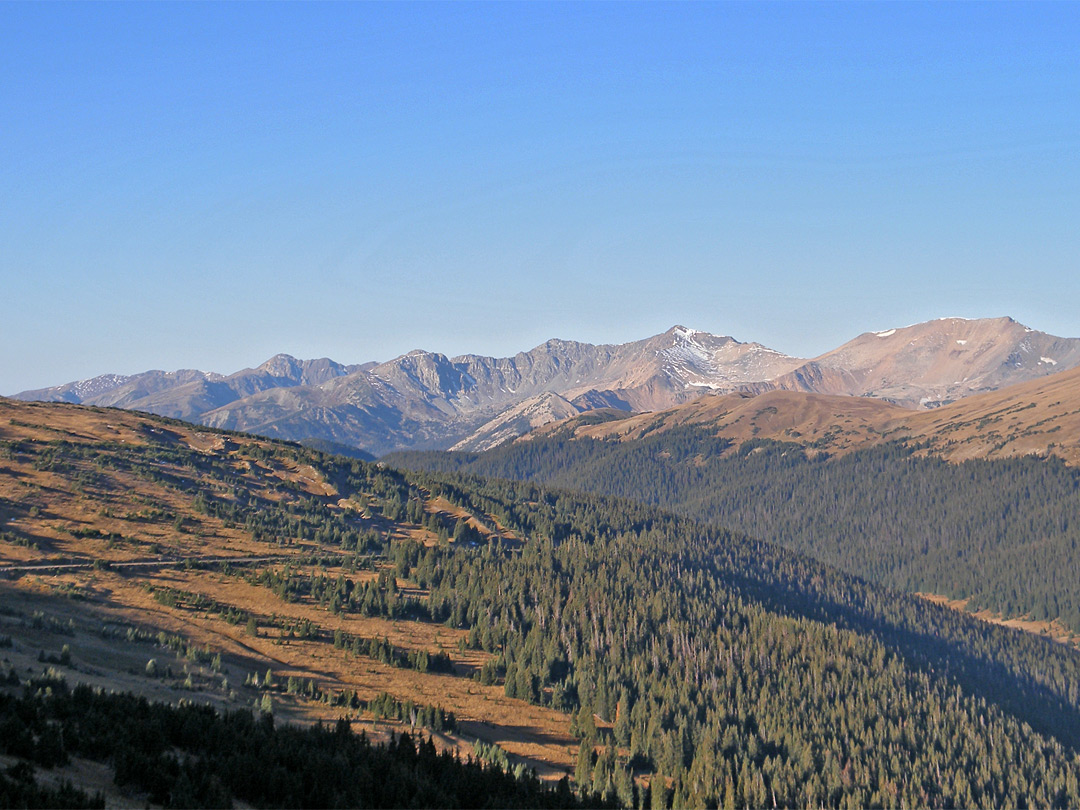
190,755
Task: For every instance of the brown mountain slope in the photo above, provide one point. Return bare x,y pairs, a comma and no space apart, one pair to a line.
1040,417
836,422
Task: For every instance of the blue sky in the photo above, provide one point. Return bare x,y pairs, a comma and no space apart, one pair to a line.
203,185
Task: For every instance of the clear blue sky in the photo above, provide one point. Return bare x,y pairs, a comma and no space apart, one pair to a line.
203,185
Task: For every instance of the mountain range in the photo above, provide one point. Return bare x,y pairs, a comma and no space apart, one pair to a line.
425,400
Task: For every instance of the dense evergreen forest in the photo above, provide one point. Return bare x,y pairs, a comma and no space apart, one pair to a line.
1003,533
739,672
192,756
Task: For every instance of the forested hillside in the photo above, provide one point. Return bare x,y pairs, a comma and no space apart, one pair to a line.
661,661
742,672
1003,533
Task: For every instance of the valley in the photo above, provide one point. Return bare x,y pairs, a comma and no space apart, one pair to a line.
556,634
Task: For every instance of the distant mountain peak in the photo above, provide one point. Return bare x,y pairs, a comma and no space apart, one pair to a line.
281,365
423,399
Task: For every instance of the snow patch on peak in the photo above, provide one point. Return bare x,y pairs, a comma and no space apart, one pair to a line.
684,332
962,342
99,385
1048,360
886,333
689,352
